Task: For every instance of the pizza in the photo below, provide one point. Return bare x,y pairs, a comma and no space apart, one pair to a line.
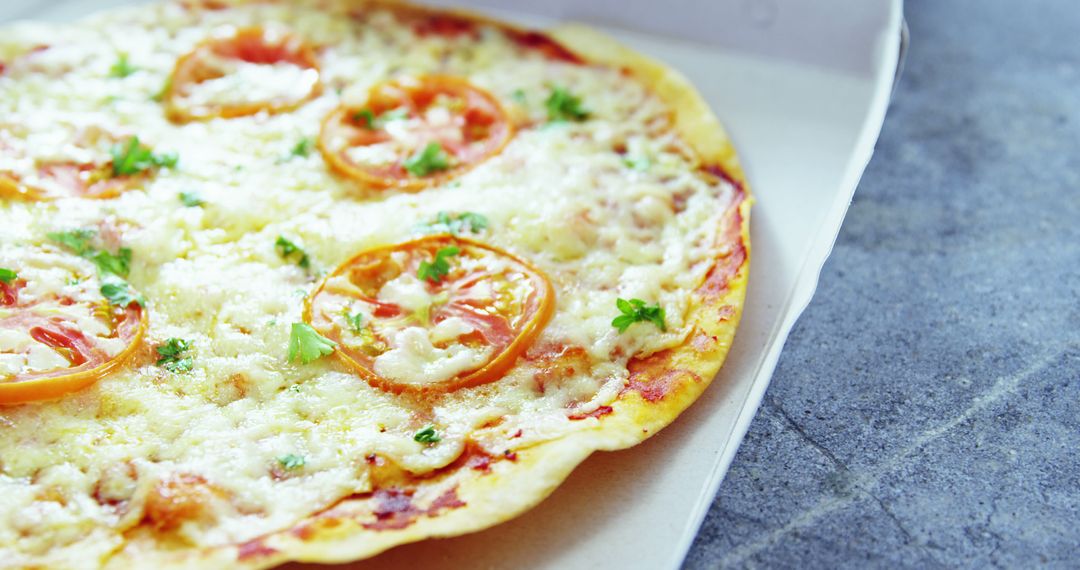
308,280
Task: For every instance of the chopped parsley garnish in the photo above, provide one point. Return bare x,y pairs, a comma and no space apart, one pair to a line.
132,158
636,311
427,435
119,293
78,241
118,264
565,106
355,321
172,355
191,199
432,158
640,164
160,95
518,95
7,275
457,224
368,119
292,252
291,461
301,149
439,267
307,344
122,68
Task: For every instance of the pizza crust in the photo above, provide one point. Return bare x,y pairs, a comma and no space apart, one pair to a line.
661,386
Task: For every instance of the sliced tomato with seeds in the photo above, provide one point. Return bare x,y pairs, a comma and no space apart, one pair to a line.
249,71
414,133
406,328
58,334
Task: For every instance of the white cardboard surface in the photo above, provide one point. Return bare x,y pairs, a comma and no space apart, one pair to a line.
802,88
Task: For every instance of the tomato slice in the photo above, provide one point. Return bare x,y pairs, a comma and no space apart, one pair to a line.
66,179
405,330
249,71
48,179
58,334
382,142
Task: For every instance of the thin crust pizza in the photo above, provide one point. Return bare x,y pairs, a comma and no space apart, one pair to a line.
308,280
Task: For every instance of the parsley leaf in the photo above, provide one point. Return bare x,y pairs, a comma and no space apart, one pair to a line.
635,311
289,251
191,199
119,264
7,275
291,461
565,106
432,158
640,164
366,117
308,345
172,358
439,267
160,95
457,224
122,68
78,241
132,158
301,149
427,435
119,293
355,321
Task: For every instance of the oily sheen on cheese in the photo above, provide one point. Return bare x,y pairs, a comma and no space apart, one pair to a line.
615,206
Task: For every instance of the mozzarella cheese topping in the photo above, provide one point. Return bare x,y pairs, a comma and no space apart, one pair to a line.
571,197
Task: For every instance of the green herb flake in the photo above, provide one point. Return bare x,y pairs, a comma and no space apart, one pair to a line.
115,264
356,322
365,117
122,68
160,95
432,158
191,199
307,344
289,251
7,275
457,224
118,292
172,355
368,119
133,157
77,241
291,462
564,106
636,311
518,95
639,164
439,267
427,435
300,150
399,114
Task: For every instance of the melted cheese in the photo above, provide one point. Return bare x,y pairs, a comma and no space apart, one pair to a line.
560,195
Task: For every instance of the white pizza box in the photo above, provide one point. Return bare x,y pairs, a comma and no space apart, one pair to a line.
802,88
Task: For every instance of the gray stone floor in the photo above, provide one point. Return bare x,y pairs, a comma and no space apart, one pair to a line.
926,410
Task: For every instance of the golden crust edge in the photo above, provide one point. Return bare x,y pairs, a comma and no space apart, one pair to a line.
516,487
